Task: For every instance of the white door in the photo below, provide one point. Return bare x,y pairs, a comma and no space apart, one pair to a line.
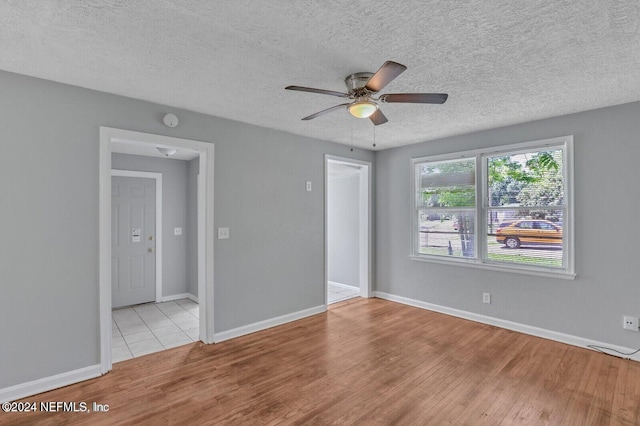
133,240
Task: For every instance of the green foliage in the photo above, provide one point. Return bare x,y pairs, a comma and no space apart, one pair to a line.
464,197
543,162
502,169
536,181
518,257
449,197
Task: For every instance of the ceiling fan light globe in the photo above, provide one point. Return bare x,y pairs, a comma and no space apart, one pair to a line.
363,109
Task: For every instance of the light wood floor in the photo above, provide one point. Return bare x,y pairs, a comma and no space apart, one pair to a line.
364,362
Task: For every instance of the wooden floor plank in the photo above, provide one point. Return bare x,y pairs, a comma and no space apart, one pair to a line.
364,361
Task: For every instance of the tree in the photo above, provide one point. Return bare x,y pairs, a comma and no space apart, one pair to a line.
506,179
548,187
536,181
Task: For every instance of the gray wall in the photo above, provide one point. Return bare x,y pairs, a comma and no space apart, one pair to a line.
176,212
343,230
192,236
49,138
607,203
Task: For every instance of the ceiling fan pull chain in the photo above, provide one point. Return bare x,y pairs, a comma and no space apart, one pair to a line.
351,135
374,136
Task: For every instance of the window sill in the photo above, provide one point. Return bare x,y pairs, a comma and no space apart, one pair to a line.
562,275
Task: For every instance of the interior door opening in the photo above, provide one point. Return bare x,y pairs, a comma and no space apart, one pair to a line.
347,231
170,318
148,316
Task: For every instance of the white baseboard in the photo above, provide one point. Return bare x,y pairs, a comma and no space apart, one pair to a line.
179,296
48,383
263,325
509,325
347,286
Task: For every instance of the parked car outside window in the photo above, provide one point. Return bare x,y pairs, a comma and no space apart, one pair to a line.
529,232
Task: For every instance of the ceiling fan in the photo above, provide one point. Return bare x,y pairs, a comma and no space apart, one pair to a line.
361,88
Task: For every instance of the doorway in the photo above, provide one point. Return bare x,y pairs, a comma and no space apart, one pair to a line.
144,144
347,228
153,315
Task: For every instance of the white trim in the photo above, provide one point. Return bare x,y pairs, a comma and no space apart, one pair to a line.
179,296
206,242
158,231
104,259
205,336
500,149
569,232
48,383
365,174
509,325
364,249
263,325
205,228
522,270
347,286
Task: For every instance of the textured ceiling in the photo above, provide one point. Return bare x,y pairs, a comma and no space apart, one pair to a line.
502,62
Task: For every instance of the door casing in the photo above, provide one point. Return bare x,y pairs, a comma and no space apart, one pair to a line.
205,227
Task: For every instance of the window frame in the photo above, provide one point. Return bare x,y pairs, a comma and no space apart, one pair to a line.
416,213
482,208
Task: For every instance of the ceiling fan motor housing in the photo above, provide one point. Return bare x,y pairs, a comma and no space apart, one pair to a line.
356,82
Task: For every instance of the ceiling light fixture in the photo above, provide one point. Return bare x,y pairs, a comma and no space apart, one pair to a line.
362,109
167,152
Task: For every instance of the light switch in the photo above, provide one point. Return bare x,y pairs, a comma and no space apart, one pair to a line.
223,233
177,231
308,185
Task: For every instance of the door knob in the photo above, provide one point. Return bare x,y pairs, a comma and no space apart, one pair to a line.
150,250
151,238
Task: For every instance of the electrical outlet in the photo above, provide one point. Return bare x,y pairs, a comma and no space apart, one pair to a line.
309,185
486,297
630,323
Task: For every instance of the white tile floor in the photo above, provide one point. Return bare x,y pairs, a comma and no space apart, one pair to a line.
338,294
152,327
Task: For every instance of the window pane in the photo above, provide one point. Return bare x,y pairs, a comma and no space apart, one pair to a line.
445,232
521,202
526,237
446,183
526,179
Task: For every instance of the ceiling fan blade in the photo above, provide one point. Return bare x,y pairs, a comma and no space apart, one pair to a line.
378,118
415,98
324,111
320,91
387,72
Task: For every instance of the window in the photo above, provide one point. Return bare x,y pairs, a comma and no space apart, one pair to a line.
521,193
446,207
